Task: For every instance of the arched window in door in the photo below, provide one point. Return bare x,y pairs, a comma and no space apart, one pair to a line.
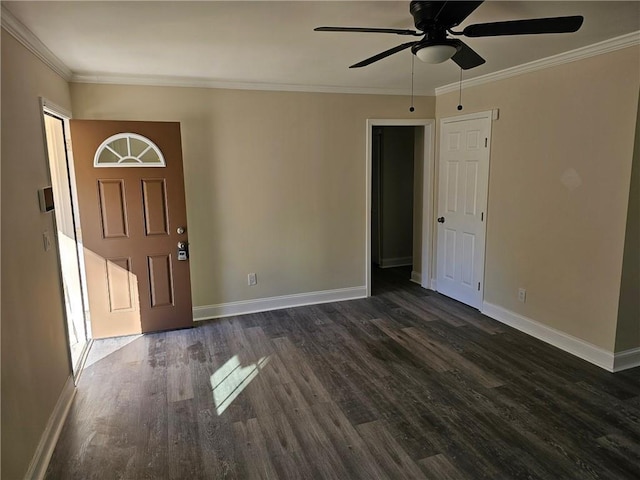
128,150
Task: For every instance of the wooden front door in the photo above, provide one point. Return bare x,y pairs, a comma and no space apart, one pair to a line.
133,215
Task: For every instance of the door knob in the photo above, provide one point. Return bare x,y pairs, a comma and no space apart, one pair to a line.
440,219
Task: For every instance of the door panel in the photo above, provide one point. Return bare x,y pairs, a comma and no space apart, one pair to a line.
112,205
452,187
121,291
449,253
161,280
468,255
129,217
154,201
462,199
471,188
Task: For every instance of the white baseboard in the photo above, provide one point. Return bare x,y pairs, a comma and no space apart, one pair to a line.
40,460
396,262
434,285
82,360
626,359
570,344
416,277
275,303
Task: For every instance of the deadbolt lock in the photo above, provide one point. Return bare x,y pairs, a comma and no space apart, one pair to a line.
183,251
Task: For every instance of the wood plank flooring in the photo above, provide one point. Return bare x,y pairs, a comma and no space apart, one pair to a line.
404,385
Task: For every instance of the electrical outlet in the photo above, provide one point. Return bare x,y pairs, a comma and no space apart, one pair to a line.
522,295
252,279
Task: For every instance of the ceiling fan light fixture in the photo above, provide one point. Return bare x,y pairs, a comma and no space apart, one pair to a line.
436,53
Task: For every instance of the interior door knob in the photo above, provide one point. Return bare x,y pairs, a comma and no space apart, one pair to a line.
440,219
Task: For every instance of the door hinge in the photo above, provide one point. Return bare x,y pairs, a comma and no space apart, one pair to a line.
486,141
482,216
478,286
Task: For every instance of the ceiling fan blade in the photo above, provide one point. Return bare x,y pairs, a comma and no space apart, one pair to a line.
466,57
368,30
525,27
453,14
382,55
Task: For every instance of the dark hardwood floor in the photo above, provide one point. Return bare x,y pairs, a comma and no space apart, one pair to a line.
406,384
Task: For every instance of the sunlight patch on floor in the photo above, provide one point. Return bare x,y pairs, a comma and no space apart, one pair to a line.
104,347
231,379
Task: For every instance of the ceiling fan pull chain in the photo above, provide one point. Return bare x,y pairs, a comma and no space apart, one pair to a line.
411,109
460,92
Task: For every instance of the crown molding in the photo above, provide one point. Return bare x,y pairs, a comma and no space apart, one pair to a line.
27,38
605,46
195,82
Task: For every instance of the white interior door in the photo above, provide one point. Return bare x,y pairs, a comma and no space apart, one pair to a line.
462,199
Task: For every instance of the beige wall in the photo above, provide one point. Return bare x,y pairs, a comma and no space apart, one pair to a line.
35,362
563,242
628,331
275,181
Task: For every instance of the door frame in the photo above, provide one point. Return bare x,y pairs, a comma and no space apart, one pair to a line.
428,191
71,202
378,237
489,115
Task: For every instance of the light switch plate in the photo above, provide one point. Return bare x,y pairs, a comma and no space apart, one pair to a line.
46,240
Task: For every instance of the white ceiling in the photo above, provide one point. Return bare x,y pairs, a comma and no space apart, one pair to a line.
272,44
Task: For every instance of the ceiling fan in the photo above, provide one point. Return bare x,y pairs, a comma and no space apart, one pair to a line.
433,20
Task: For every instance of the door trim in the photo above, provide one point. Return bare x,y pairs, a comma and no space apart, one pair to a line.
489,115
428,169
51,108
